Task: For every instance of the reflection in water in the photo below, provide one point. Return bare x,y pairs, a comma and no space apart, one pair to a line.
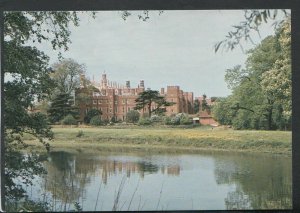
262,182
210,181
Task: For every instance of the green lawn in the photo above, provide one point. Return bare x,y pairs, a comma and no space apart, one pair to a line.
172,138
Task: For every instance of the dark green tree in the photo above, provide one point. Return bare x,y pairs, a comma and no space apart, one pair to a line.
204,105
96,121
150,98
61,106
90,114
196,106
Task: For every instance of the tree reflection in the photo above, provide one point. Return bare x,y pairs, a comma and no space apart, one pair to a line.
69,174
237,200
67,177
266,181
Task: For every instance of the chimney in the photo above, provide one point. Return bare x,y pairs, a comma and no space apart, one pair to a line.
142,83
162,91
127,84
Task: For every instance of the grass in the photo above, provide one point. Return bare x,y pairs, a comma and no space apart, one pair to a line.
203,138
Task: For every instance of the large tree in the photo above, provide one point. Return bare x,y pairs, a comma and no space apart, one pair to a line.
61,106
261,92
27,74
152,98
66,75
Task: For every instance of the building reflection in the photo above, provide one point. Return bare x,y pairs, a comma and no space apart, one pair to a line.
112,167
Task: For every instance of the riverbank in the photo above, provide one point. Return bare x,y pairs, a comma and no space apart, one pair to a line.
278,142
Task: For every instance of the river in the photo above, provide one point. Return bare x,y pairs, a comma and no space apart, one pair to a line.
167,181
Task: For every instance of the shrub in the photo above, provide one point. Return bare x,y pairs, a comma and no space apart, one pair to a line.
175,120
185,120
96,121
90,114
144,121
167,121
155,118
132,116
79,134
69,120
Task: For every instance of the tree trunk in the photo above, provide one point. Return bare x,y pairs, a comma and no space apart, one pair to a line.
149,108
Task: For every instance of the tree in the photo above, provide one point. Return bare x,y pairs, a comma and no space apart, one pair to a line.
60,107
29,80
261,92
196,106
66,75
204,105
252,23
90,114
96,121
222,111
132,116
152,98
69,120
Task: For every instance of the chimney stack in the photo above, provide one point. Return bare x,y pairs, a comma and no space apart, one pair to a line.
142,83
127,84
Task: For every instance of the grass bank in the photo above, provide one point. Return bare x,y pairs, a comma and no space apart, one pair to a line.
278,142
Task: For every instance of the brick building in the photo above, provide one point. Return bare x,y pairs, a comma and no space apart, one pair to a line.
205,115
115,100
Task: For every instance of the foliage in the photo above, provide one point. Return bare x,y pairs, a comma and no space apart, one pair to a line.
222,112
144,121
28,81
252,23
196,106
155,118
167,120
132,116
96,121
90,114
204,105
66,75
69,120
185,120
149,98
261,93
60,107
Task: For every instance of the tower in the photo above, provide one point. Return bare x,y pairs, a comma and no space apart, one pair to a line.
104,81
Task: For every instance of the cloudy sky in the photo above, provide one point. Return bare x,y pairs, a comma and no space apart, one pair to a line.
174,48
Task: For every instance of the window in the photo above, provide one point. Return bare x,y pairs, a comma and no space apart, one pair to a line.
94,101
106,109
128,108
116,110
123,109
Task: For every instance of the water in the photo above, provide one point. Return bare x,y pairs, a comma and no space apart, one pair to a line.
147,181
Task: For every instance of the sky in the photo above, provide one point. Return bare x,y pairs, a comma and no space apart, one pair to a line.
173,48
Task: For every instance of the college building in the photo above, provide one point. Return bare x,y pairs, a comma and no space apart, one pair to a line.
115,100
